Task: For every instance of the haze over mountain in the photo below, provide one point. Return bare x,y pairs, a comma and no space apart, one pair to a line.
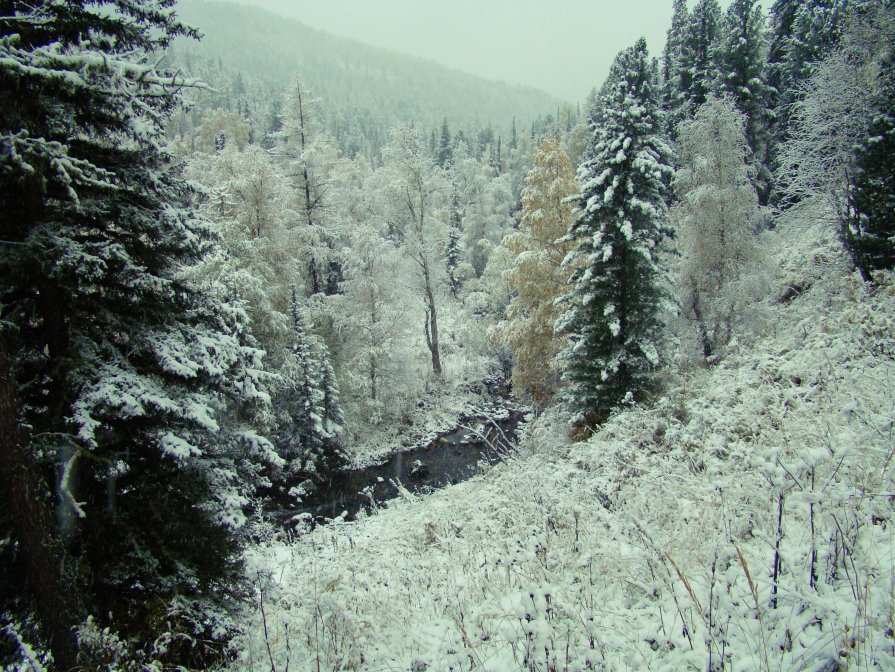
351,76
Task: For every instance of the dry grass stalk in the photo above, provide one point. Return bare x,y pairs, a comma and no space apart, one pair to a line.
686,585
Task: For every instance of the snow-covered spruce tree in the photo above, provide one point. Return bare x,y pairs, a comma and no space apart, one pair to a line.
133,385
740,63
674,79
452,254
611,313
870,236
782,15
308,438
444,153
697,53
816,29
715,220
536,278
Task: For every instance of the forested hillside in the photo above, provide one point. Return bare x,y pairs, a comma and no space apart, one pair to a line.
266,301
250,56
740,521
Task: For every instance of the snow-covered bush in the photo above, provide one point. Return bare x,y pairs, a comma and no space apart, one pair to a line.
716,220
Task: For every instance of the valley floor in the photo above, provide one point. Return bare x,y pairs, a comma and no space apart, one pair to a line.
742,521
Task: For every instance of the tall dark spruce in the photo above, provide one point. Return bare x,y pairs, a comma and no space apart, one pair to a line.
611,310
697,54
675,78
782,16
308,406
130,391
740,65
870,235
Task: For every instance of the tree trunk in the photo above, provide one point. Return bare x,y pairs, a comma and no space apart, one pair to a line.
25,497
700,325
432,327
313,271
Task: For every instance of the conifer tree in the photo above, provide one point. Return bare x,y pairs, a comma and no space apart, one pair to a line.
453,254
135,384
331,411
308,440
674,79
611,312
739,58
816,29
870,235
698,53
300,442
782,16
536,277
444,156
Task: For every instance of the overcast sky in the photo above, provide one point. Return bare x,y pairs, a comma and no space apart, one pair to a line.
564,47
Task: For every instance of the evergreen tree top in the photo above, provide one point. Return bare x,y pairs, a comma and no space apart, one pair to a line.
95,61
627,139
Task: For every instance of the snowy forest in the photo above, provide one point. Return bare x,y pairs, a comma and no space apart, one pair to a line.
316,356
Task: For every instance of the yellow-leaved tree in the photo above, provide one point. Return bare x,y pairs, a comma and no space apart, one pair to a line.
536,278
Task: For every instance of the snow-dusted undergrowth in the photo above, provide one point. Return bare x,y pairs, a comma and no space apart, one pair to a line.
655,544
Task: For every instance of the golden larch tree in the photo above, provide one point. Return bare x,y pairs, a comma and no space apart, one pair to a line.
536,277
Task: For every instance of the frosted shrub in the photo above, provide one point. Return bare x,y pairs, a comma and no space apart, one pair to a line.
716,220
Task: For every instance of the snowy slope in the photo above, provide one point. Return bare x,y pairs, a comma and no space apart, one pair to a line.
653,544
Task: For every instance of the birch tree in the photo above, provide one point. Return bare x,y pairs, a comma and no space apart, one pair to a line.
716,220
412,206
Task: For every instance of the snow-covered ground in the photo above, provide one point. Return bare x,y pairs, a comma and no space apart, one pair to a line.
652,545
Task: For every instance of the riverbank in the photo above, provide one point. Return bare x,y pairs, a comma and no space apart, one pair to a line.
438,412
471,445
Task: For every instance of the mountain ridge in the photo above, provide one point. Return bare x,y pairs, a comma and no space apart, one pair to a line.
349,74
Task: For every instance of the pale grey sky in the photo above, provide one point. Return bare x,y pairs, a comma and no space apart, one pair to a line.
563,47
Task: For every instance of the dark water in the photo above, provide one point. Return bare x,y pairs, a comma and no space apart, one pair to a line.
452,457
